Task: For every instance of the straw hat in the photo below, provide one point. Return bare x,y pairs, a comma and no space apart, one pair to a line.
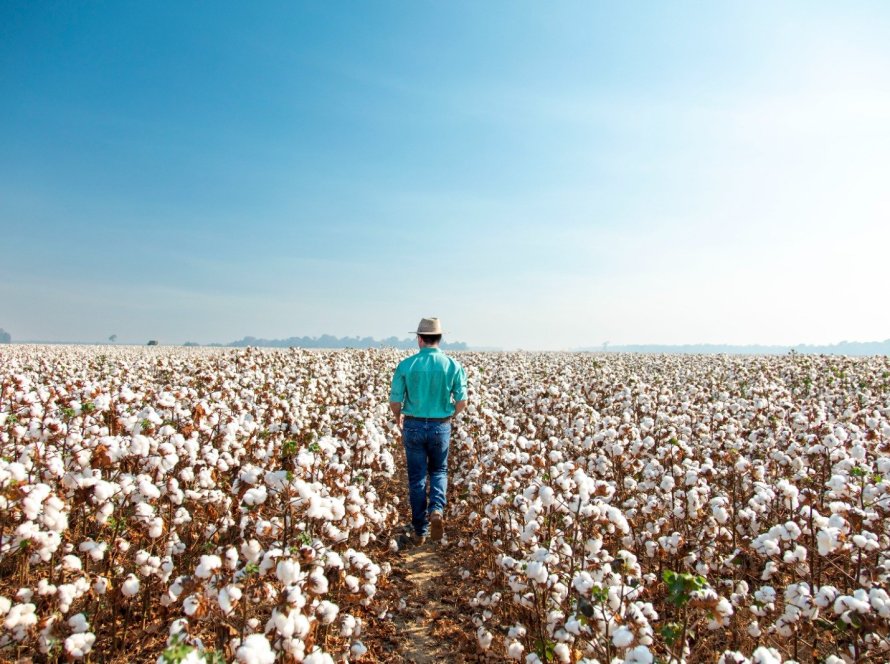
429,326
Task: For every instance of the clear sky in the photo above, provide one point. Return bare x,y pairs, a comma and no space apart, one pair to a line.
539,175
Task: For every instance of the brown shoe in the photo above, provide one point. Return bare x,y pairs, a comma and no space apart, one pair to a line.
436,525
419,540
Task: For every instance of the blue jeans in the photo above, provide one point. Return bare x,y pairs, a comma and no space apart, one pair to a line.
426,453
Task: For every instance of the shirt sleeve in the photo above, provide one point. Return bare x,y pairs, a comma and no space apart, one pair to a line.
397,390
459,389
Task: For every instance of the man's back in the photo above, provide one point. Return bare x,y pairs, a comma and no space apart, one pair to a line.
426,382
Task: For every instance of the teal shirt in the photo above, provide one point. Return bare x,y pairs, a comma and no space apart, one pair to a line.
428,383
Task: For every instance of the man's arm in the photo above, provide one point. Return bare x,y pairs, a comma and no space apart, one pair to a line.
459,390
396,408
397,393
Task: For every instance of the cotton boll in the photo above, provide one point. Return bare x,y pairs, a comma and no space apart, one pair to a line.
318,582
514,650
130,586
96,551
733,657
583,582
101,585
622,637
857,603
207,565
285,623
797,555
288,571
317,656
251,550
327,612
764,655
546,495
333,560
295,597
72,563
638,655
255,496
20,618
79,644
44,587
537,572
879,599
231,558
484,638
347,625
78,623
562,653
156,528
227,598
255,650
191,605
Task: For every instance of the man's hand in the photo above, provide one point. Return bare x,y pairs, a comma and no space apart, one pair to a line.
459,406
396,409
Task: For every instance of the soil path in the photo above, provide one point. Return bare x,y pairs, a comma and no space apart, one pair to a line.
425,612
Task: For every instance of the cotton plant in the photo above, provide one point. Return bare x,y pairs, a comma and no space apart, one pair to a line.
141,456
249,492
716,478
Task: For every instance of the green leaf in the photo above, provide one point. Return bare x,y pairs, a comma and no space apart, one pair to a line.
671,632
682,585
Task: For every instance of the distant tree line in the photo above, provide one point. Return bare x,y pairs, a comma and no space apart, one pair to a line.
330,341
5,337
853,348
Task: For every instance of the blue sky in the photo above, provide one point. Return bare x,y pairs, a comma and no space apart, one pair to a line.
539,175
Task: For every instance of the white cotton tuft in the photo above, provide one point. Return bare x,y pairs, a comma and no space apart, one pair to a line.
71,562
484,638
318,656
514,650
622,637
78,623
639,655
327,612
207,566
764,655
255,649
288,571
130,586
562,653
79,644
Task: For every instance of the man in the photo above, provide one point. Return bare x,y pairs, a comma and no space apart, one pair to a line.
428,389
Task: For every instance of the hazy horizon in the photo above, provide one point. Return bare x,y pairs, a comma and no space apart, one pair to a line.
592,347
539,176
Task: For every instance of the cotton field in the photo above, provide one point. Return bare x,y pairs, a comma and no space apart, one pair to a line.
209,505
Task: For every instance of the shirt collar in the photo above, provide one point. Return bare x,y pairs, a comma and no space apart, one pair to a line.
428,349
